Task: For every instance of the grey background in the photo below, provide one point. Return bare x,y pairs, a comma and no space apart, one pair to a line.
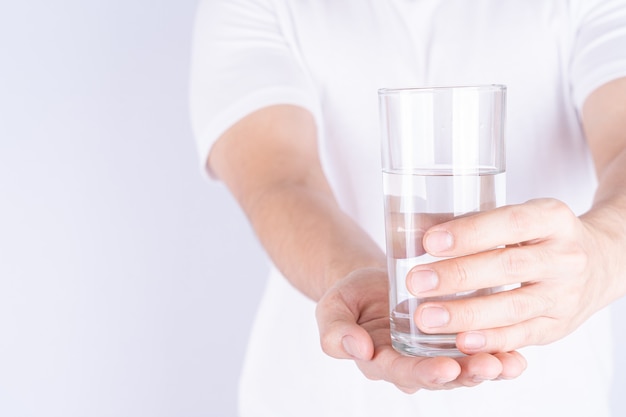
128,282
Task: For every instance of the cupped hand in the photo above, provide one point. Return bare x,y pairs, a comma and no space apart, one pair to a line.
353,320
541,245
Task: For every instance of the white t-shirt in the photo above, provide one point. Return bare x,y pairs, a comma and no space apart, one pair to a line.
331,57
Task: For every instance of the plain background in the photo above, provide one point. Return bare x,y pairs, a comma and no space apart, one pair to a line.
128,282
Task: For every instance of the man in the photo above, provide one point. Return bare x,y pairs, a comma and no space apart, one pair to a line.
284,101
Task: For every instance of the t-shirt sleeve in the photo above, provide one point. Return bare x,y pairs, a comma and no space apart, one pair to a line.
241,62
599,54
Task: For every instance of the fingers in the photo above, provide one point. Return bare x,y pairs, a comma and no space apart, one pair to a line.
507,225
513,364
551,265
479,368
364,337
535,224
350,311
484,270
537,331
547,260
410,373
534,314
500,366
343,338
494,311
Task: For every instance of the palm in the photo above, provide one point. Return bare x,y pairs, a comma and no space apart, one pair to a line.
358,306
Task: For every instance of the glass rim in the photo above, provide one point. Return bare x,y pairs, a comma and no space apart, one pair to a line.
432,89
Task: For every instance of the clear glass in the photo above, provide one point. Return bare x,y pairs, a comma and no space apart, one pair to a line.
443,156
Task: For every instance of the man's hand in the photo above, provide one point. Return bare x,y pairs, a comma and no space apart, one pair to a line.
548,250
569,267
353,319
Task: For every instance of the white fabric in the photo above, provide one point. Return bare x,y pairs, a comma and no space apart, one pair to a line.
331,57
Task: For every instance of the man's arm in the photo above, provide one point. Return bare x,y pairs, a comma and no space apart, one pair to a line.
270,162
604,120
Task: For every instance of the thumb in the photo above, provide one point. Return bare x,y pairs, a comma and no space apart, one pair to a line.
340,335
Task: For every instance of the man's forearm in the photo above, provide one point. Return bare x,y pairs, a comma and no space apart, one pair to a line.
607,220
310,240
604,122
269,161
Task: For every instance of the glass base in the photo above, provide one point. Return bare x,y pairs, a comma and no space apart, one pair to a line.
427,345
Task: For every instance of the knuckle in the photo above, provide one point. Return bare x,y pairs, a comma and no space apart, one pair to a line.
498,340
522,307
474,232
571,301
549,204
558,206
556,209
468,318
540,336
532,332
529,335
519,220
529,303
505,342
548,303
514,262
577,257
461,274
517,337
327,344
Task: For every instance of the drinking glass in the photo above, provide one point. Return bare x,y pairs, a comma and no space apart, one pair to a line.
443,156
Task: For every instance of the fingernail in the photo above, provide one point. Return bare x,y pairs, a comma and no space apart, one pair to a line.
443,381
422,281
350,346
474,341
503,378
435,317
438,241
